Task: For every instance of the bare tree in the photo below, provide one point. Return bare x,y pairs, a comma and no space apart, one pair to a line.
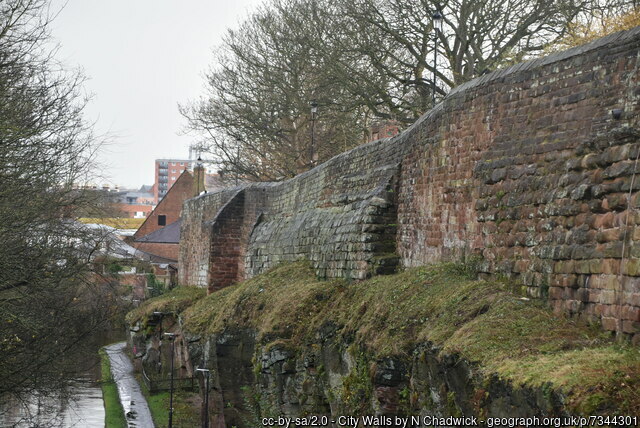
395,43
47,305
362,60
256,117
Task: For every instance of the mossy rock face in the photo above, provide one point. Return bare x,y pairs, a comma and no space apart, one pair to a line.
479,340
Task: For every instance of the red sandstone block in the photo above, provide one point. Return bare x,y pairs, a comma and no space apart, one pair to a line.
521,266
599,309
611,266
604,221
606,282
621,218
632,298
630,327
570,280
582,294
631,313
609,324
556,293
608,297
558,307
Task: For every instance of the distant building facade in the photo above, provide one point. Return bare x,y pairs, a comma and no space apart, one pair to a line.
135,203
384,129
167,172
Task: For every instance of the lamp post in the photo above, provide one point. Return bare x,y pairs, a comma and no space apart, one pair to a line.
199,179
437,26
172,338
314,114
159,315
205,404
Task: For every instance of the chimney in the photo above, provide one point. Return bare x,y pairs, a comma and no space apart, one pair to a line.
198,175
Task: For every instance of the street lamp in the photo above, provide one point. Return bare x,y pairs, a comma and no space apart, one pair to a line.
437,27
161,316
314,115
205,404
172,338
199,179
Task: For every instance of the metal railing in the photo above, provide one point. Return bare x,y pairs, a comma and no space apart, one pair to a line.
158,385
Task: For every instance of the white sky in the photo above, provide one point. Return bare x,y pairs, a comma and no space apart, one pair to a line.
142,58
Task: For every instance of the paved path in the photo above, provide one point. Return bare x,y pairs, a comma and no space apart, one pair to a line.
133,402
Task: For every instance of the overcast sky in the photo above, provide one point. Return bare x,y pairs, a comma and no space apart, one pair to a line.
142,58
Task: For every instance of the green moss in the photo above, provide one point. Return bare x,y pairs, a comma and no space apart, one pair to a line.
355,394
452,407
186,408
114,414
175,301
405,398
591,404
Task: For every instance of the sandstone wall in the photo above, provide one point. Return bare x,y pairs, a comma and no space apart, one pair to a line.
526,167
195,235
529,168
341,216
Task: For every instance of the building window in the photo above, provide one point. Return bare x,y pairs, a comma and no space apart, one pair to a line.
162,220
173,178
174,164
181,163
173,171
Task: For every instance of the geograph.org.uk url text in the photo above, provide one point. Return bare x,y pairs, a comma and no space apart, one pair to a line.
435,421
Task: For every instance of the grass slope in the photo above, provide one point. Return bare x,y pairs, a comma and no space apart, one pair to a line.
186,408
483,321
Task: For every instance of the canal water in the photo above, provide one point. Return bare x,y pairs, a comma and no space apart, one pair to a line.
80,405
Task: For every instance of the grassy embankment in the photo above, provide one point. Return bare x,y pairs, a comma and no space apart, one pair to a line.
114,415
483,321
186,410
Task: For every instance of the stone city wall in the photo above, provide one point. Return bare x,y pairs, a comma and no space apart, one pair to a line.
529,168
526,167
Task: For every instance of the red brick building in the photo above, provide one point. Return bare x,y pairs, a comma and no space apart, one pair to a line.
384,129
160,233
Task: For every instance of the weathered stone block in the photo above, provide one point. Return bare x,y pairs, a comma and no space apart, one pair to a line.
608,297
619,169
630,327
631,267
631,313
610,324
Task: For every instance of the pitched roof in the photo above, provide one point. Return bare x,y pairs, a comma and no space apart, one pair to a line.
170,234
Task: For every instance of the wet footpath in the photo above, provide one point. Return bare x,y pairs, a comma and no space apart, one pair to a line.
133,402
